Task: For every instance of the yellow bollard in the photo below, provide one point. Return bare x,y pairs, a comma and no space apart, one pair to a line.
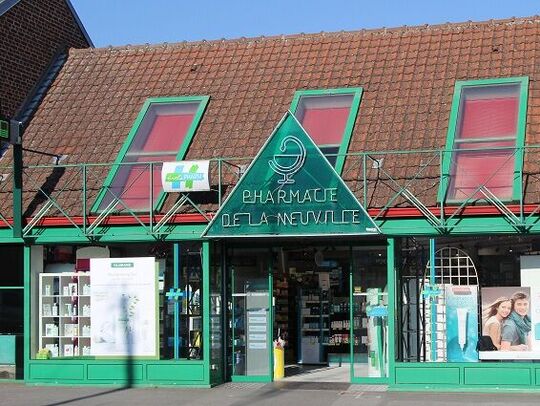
279,363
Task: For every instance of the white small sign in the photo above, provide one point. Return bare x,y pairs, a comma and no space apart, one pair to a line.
185,176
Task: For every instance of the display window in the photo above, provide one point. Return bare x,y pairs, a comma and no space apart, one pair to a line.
132,300
469,299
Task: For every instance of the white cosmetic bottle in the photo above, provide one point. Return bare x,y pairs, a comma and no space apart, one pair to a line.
462,326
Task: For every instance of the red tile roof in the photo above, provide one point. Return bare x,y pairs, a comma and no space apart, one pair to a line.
407,74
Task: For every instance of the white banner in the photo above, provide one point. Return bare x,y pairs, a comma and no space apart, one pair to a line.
123,307
185,176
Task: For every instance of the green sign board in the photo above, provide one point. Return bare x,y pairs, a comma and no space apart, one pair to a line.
4,129
290,189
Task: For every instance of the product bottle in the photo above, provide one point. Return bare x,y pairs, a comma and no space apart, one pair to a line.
75,309
55,309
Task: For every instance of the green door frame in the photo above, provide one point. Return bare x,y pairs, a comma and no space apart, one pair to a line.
18,364
390,269
390,283
269,377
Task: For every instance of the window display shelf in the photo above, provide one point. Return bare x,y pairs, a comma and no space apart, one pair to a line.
64,307
315,329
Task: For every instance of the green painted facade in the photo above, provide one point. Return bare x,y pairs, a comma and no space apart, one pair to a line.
415,376
498,376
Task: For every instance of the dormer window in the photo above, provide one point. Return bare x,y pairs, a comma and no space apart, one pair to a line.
162,132
486,135
328,117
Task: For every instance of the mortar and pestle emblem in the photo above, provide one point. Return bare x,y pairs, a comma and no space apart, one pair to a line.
290,160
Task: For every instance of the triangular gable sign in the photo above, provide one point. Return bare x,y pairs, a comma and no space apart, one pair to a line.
290,189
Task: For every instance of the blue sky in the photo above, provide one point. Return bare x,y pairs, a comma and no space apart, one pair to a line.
120,22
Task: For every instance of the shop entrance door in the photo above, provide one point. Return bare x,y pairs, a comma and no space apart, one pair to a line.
251,318
369,315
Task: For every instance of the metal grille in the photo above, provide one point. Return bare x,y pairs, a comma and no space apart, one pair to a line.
453,266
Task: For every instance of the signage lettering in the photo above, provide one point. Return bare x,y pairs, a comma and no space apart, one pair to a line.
319,195
294,218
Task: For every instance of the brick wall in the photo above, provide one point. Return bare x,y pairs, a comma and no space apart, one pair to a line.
31,33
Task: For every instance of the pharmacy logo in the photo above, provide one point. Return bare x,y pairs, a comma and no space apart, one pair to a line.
181,175
290,160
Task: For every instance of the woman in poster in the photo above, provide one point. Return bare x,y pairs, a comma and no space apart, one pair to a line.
516,328
494,315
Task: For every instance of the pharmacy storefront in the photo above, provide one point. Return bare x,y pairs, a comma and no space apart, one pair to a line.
293,265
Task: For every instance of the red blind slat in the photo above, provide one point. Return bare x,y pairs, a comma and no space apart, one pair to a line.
325,125
489,118
495,169
168,133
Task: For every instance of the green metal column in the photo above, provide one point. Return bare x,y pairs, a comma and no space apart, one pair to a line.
176,326
206,307
351,314
432,300
233,326
17,190
392,294
27,313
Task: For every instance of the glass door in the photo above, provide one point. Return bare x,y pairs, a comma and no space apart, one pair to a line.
251,316
369,315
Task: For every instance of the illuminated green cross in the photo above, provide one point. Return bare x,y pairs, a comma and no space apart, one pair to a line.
174,294
431,291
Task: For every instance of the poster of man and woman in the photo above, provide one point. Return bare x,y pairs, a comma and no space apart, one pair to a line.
505,323
506,318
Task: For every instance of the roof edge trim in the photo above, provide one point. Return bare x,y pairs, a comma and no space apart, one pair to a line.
6,5
79,23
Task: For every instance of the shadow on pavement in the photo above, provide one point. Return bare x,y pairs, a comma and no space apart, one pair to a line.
65,402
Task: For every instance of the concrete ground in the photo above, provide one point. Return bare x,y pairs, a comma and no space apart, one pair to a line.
300,373
236,394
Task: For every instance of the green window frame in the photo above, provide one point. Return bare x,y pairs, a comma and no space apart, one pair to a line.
523,82
356,92
203,102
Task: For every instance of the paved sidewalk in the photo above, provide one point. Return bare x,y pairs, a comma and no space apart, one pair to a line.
232,394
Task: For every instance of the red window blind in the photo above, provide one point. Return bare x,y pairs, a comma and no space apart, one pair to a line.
495,169
167,133
135,190
325,125
487,113
489,118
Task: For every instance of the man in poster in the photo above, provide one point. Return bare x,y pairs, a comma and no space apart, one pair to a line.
516,328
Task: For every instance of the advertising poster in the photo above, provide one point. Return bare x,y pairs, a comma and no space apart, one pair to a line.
461,323
506,313
530,276
123,310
